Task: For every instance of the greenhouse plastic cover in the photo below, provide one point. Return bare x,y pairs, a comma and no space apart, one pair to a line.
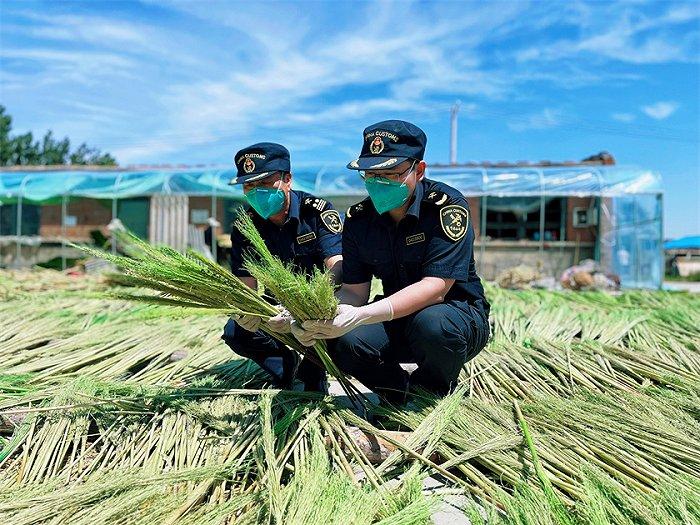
51,186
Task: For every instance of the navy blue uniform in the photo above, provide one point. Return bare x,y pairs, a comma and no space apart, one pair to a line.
311,234
434,239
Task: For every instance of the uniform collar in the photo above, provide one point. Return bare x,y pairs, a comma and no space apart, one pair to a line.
294,204
414,208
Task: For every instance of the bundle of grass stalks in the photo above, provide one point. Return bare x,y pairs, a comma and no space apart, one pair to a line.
189,280
193,281
305,297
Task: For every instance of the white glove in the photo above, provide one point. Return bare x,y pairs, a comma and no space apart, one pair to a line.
348,317
248,322
302,335
281,323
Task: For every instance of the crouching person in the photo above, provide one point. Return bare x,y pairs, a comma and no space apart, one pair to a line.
416,236
298,228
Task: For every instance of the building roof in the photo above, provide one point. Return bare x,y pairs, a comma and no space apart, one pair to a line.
691,242
600,159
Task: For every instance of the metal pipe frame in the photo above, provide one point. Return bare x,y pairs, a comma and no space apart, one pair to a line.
20,194
115,199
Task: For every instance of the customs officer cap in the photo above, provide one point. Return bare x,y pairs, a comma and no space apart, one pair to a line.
259,161
389,143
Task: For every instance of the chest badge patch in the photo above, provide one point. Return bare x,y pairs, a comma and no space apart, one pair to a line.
454,220
331,219
306,237
415,239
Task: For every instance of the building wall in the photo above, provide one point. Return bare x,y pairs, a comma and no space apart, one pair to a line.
96,215
498,256
475,217
203,203
223,210
582,234
90,214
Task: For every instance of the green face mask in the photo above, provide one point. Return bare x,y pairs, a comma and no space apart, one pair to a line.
265,201
386,194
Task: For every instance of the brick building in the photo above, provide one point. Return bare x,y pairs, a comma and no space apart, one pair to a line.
547,215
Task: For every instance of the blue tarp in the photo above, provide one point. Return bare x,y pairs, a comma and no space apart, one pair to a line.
46,186
509,182
684,243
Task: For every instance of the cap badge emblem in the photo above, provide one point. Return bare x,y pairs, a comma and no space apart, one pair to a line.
377,146
248,165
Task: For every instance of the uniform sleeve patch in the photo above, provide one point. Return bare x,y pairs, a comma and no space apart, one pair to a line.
331,219
454,220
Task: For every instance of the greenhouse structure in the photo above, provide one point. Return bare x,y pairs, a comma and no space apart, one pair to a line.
545,216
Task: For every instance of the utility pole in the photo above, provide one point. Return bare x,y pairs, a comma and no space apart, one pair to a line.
453,132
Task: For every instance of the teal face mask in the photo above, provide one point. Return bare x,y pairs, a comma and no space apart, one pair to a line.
386,194
265,201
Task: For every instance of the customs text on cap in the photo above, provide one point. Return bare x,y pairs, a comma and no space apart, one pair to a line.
387,144
259,161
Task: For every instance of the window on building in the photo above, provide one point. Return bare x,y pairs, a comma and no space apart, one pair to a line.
30,219
516,218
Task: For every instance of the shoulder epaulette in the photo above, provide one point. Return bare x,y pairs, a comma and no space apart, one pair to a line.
356,210
436,197
315,203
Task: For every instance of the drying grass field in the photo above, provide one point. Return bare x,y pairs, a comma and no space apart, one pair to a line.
583,409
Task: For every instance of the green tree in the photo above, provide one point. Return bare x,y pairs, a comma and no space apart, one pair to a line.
54,151
5,144
92,156
23,150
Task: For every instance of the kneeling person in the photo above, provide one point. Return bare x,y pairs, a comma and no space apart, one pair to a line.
416,236
298,228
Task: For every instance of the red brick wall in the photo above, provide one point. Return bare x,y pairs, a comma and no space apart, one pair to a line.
475,208
91,215
583,234
204,203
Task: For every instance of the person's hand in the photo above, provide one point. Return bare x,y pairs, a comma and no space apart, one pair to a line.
247,322
346,318
281,323
302,335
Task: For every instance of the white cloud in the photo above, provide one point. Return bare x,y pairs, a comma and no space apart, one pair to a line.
128,37
545,119
57,66
660,110
291,82
623,117
632,37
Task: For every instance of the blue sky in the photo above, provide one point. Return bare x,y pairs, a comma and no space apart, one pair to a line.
193,81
